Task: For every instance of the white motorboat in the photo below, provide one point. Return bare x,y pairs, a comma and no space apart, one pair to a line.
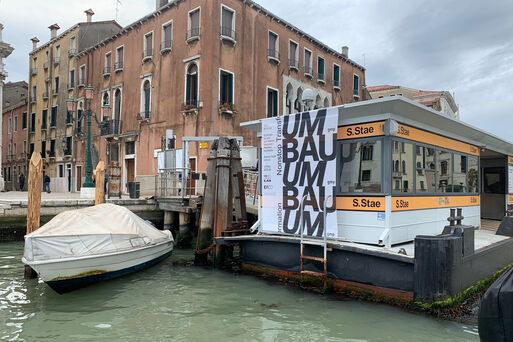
80,247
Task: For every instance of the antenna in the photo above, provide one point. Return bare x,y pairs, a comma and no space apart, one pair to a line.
118,3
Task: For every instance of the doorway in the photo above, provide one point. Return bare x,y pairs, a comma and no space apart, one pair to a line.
78,175
130,171
68,176
191,183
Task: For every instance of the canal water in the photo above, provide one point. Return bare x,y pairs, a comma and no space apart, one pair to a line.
177,303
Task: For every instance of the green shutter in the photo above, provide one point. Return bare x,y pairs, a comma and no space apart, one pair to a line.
188,89
222,95
230,89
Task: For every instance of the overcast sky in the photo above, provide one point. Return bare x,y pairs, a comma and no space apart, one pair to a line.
465,47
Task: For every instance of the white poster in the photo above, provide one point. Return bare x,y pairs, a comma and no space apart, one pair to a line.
510,179
299,159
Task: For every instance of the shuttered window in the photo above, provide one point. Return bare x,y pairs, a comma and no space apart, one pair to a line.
272,102
226,87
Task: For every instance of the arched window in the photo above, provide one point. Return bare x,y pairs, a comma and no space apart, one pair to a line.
146,99
191,87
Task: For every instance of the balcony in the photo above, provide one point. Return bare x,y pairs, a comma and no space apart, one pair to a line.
147,54
111,127
106,71
34,71
118,66
45,95
228,34
336,84
308,71
56,60
166,46
72,52
192,35
293,64
273,55
320,78
71,85
81,82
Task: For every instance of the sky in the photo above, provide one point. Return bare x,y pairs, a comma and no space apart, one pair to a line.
464,47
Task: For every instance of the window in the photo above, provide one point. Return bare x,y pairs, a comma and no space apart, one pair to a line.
320,69
24,120
308,62
355,170
71,79
444,171
33,122
108,63
31,149
15,123
227,23
34,93
494,180
47,89
146,99
52,148
473,174
129,147
34,66
57,56
9,126
225,87
460,173
119,59
80,119
193,31
167,37
53,121
356,85
293,55
117,106
403,167
44,119
56,85
273,47
425,163
82,75
72,46
61,170
69,147
24,146
272,102
191,86
105,103
43,149
148,46
336,76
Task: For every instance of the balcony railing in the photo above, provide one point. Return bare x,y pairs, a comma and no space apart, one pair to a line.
273,54
293,63
34,71
308,70
228,32
110,127
147,54
106,70
166,45
193,34
72,52
56,60
118,66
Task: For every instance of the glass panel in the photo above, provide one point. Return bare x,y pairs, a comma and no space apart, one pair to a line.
473,174
194,16
494,180
402,168
425,164
227,19
444,171
360,166
272,41
460,173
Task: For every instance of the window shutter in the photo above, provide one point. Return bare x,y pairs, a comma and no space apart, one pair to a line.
275,103
195,88
188,89
230,89
222,95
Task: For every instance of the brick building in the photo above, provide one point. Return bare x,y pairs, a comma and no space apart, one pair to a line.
53,76
201,68
14,133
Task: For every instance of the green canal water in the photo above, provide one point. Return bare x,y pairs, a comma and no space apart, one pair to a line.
176,303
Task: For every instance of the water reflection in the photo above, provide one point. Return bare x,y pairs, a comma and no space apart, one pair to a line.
167,303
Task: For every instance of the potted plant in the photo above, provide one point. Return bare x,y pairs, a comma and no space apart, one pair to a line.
139,117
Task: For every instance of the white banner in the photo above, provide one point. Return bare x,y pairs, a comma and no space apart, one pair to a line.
298,159
510,179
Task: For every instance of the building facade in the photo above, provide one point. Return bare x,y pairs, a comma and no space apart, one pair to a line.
14,134
53,77
5,51
200,68
441,101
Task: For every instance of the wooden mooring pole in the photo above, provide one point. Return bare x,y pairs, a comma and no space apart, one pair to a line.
99,197
35,186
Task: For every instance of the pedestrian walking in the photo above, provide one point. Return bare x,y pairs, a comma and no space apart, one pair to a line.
105,183
22,181
46,183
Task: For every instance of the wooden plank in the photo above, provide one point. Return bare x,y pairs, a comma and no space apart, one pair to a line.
100,182
35,186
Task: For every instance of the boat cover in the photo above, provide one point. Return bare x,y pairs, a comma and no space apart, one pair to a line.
94,230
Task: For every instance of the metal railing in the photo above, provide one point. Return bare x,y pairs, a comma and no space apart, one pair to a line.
228,32
175,183
148,53
273,53
166,45
118,66
110,127
193,33
72,52
106,70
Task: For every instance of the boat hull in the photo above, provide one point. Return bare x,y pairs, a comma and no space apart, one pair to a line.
70,274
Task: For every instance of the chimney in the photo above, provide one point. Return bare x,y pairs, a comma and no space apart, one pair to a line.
345,51
53,30
160,3
89,13
34,43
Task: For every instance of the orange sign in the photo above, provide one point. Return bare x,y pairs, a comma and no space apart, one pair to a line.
411,133
363,130
361,203
510,198
432,202
510,160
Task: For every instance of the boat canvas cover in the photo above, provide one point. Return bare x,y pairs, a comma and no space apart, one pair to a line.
104,228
